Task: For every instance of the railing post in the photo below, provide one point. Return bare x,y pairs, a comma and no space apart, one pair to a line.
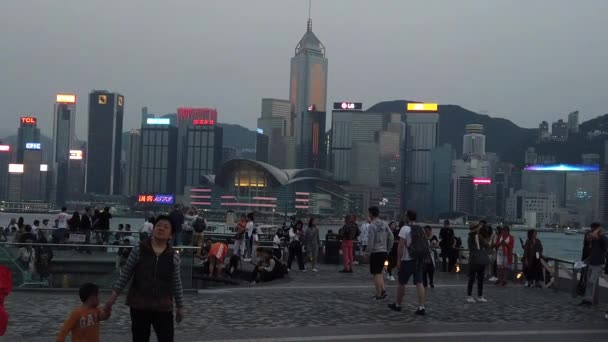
555,275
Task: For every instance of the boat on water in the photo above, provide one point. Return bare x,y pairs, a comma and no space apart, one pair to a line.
570,231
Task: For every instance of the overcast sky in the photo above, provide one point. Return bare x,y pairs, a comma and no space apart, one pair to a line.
523,60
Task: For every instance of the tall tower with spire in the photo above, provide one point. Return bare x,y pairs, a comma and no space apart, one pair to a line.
308,95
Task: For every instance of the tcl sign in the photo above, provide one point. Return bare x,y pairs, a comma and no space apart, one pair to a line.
28,120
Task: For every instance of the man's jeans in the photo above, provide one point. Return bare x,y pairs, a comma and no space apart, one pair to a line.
593,274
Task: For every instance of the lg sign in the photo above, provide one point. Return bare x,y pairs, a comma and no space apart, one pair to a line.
29,120
348,106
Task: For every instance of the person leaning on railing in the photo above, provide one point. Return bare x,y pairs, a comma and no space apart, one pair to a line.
595,262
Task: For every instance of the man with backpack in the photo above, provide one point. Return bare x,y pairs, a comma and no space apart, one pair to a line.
413,248
380,240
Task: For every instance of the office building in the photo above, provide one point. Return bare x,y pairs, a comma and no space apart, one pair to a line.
157,165
559,130
33,187
15,181
442,178
311,150
132,161
106,111
534,209
474,141
543,131
200,146
590,159
77,172
308,91
276,122
261,148
5,159
463,195
27,134
573,122
64,128
422,123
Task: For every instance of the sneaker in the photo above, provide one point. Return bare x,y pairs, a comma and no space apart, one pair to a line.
432,286
384,295
482,300
421,311
342,271
303,271
315,270
391,278
252,283
470,300
585,303
394,307
356,263
288,270
493,279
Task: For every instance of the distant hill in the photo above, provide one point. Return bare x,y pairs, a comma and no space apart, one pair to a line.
238,136
503,137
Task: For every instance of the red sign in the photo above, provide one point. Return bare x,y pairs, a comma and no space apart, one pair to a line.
28,120
187,114
482,181
203,122
145,199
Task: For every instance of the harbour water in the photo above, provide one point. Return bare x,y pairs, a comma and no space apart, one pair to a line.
556,245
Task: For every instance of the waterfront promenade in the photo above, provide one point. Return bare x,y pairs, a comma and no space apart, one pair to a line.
328,306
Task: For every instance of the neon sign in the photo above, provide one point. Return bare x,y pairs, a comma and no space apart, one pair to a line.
156,198
563,167
15,168
28,120
203,122
32,146
44,167
260,131
422,107
158,121
186,113
348,106
76,154
65,98
482,181
5,148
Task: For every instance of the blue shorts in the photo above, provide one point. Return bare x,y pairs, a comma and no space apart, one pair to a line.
407,269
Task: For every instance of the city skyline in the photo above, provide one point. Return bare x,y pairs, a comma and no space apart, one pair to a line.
501,63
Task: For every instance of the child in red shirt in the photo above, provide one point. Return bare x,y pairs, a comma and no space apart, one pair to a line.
83,322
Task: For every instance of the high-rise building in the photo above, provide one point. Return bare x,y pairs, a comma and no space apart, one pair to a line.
33,187
106,111
559,130
261,148
27,134
15,182
133,155
64,128
308,90
421,136
474,141
77,172
311,151
158,166
5,159
543,131
276,123
573,122
534,209
199,144
590,159
442,176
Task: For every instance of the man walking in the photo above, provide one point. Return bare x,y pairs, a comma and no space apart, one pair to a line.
177,222
595,262
380,241
410,252
447,242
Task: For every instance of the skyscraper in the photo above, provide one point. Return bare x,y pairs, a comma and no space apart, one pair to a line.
28,133
106,111
158,163
5,159
64,127
474,141
573,122
132,156
312,151
421,135
275,122
308,89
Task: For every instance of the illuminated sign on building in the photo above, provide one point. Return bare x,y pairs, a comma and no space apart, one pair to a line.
44,167
186,113
5,148
203,122
32,146
29,120
158,121
312,108
66,98
348,106
120,101
76,154
260,131
156,198
15,168
482,181
102,99
422,107
563,167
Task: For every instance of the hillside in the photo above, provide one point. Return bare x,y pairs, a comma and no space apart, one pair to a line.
238,136
503,137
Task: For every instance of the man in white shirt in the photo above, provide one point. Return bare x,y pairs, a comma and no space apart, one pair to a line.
408,267
250,232
62,218
35,227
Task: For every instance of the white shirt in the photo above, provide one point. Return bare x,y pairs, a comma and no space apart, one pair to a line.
250,226
406,233
276,242
35,229
62,220
147,228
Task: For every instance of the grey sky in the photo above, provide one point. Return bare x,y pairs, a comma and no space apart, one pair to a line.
524,60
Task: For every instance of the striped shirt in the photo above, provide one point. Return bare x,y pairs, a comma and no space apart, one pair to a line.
127,273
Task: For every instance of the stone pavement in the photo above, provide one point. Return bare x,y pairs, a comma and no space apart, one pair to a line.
328,306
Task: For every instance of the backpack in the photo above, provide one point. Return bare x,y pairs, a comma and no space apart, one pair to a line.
419,248
199,225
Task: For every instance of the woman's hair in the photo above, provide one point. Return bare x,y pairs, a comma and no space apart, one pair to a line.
299,224
311,222
250,216
164,218
506,228
151,219
531,233
279,232
390,224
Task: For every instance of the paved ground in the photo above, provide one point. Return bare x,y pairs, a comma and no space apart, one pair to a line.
328,306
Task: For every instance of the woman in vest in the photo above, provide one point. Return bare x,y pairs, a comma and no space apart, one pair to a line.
156,288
